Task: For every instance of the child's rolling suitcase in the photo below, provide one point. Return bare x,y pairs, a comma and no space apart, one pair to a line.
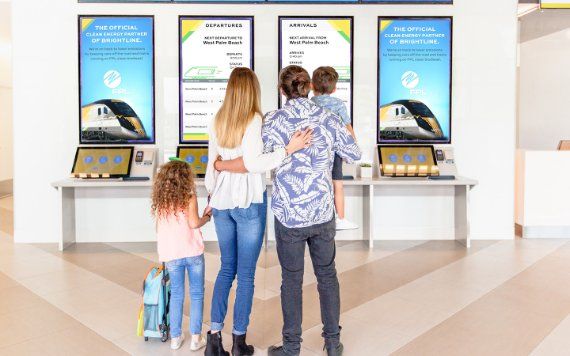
153,319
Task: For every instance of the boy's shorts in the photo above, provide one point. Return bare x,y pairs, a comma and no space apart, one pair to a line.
337,168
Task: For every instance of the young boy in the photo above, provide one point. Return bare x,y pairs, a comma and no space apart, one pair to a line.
324,84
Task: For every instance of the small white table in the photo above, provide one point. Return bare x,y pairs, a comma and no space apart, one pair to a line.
462,186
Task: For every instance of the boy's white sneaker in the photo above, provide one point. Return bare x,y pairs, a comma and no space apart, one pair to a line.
176,342
343,224
197,345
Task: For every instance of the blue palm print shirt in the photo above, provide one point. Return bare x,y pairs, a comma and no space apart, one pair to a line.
333,104
302,191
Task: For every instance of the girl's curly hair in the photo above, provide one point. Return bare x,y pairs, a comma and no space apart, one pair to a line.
172,189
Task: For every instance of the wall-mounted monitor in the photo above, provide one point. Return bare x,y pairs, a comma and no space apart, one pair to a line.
116,79
113,161
555,4
210,48
315,41
414,80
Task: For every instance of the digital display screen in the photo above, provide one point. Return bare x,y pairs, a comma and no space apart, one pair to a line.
312,42
210,48
115,161
414,80
407,161
116,79
555,4
196,156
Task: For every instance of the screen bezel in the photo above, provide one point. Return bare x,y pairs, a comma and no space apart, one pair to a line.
377,119
280,62
379,153
130,148
152,141
182,147
251,18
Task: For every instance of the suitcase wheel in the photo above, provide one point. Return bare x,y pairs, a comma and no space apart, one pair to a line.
146,338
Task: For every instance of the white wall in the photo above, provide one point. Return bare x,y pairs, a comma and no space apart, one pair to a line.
483,99
6,152
543,88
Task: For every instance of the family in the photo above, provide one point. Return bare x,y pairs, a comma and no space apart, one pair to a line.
300,141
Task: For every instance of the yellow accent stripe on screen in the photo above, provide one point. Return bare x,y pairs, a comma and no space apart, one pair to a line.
554,5
343,28
85,23
189,27
195,137
384,24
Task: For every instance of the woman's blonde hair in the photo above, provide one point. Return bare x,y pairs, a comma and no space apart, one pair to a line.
241,103
172,189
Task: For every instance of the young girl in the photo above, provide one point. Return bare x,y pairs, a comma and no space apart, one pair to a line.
180,245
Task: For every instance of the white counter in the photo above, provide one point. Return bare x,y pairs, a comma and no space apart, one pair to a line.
542,193
113,210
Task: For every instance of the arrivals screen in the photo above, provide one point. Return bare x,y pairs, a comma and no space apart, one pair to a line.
312,42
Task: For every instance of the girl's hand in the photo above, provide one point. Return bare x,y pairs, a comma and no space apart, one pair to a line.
208,211
300,140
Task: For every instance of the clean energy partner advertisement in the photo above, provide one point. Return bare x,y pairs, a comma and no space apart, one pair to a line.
116,79
312,42
414,94
210,48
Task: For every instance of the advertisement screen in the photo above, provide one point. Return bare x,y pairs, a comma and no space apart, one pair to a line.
414,79
210,48
116,79
312,42
556,4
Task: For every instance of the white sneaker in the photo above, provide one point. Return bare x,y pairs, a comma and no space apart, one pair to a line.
195,346
343,224
176,342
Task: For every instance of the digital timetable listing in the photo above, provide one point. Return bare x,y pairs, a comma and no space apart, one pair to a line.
210,48
312,42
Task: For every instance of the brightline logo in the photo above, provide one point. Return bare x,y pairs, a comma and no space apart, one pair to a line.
410,79
112,79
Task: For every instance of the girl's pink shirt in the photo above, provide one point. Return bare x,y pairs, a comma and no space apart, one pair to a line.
176,239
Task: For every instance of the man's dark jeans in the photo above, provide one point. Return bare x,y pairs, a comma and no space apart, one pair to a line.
291,251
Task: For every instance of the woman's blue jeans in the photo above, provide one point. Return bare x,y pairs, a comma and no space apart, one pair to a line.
177,270
240,237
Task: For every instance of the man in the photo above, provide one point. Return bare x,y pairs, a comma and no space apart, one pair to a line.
303,205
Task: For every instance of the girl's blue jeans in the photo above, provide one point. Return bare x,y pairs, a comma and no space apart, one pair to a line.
177,270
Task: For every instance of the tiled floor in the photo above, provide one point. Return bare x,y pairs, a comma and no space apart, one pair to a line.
405,298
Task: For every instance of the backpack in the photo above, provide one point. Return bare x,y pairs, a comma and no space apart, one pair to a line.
153,319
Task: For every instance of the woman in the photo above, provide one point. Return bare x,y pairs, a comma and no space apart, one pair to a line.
239,202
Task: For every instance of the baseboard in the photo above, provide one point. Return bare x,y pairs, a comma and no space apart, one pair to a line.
545,232
518,230
6,187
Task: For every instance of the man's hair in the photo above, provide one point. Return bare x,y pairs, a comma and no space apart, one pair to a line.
295,82
324,80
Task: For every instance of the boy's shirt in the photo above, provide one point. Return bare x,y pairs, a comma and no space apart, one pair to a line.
302,192
333,104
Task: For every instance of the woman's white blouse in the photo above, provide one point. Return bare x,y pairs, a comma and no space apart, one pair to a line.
230,190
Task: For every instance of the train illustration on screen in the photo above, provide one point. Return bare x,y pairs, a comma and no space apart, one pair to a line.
110,120
408,120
